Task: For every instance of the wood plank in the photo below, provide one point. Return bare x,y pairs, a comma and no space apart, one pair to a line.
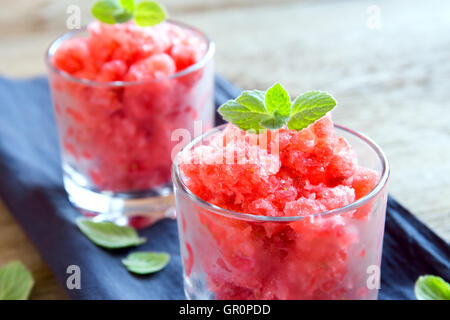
14,245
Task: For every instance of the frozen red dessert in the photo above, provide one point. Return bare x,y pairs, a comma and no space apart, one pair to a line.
235,242
120,92
128,52
315,171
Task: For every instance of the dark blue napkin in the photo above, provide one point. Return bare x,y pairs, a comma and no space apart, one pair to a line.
31,187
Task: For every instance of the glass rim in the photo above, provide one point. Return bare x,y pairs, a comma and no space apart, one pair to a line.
208,55
178,183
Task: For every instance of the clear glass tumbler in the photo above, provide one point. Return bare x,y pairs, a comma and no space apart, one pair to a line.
329,255
116,136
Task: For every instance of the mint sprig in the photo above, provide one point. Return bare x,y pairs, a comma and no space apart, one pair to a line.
257,110
145,13
432,288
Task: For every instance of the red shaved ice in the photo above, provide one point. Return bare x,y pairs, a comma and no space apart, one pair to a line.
118,111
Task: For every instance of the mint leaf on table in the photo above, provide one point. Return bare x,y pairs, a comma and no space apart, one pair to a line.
146,13
149,13
432,288
16,281
146,262
256,110
308,108
109,235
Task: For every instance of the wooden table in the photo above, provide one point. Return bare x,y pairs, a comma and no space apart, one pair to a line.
391,79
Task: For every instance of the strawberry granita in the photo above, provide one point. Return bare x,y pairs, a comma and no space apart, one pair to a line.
256,215
119,91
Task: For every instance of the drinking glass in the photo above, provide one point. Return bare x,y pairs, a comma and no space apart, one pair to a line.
115,137
329,255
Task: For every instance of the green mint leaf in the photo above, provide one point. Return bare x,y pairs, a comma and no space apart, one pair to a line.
108,234
127,5
308,108
276,121
149,13
106,10
277,99
246,116
432,288
125,14
146,262
16,282
253,100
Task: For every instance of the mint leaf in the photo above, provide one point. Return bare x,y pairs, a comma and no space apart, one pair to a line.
247,116
431,288
149,13
106,10
308,108
253,100
127,5
108,234
125,14
276,121
249,111
16,282
277,99
146,262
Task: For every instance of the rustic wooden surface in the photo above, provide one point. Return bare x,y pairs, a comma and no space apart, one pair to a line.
392,82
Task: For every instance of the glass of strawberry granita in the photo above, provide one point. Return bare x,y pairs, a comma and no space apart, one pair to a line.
119,91
281,215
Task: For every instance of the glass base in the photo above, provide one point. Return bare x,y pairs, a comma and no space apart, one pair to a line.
137,209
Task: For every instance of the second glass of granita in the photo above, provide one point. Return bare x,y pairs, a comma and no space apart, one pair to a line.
119,91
